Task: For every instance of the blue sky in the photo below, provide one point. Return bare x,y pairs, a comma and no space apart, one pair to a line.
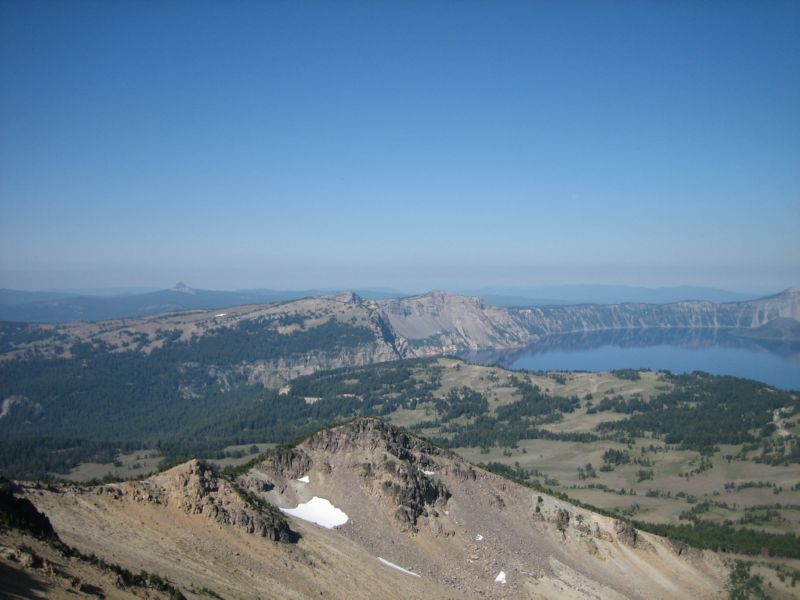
407,144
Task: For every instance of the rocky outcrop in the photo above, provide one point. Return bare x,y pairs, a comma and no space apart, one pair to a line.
371,434
392,466
196,489
423,509
395,469
626,533
412,492
462,471
288,463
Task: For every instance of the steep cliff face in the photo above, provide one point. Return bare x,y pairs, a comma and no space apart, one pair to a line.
595,317
272,373
440,323
284,341
449,323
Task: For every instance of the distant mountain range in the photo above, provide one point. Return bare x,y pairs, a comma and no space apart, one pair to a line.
275,342
65,307
100,305
603,294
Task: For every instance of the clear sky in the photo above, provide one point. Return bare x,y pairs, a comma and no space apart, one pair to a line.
399,144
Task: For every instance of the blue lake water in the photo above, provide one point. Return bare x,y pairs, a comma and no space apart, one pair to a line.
679,351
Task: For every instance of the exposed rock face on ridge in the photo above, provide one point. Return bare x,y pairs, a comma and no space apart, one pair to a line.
452,323
400,477
428,510
290,463
409,503
346,330
391,467
369,435
203,536
438,322
196,489
690,314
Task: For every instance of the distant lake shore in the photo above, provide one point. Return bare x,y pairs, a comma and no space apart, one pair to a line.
678,350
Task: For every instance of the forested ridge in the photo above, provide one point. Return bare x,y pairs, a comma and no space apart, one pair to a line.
190,396
189,399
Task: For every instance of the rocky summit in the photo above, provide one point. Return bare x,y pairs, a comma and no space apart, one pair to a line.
361,510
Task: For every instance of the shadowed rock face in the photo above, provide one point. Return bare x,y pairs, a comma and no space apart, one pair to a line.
20,513
412,492
626,533
290,463
699,314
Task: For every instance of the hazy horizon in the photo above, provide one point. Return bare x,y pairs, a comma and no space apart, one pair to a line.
546,291
412,146
411,280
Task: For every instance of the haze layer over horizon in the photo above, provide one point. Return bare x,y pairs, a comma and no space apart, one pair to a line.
410,146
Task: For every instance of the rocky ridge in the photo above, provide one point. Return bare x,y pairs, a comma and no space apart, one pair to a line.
196,489
440,323
409,504
433,324
434,513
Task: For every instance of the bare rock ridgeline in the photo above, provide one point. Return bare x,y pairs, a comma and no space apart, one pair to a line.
439,322
688,314
433,324
391,465
452,525
434,511
196,489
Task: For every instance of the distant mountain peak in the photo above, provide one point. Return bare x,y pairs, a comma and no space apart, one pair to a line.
182,288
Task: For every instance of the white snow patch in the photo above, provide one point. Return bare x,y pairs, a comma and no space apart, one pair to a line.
221,315
320,511
394,566
429,473
479,538
304,479
501,577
